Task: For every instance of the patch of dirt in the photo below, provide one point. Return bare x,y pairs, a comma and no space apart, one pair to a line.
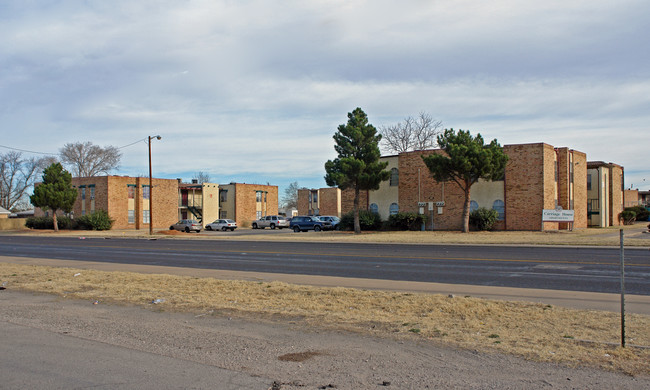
170,232
298,356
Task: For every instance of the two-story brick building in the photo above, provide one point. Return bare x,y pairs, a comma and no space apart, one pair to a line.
538,177
245,203
129,201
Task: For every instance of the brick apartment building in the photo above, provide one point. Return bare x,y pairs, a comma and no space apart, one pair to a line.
538,177
127,200
245,203
323,201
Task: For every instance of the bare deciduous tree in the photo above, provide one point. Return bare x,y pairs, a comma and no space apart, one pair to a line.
290,197
202,177
17,175
412,134
86,159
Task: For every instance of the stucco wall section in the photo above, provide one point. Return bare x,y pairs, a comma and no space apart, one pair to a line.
386,194
210,202
580,189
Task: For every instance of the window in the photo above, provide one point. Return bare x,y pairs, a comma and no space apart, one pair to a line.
259,215
131,191
374,208
315,197
92,192
146,216
131,216
146,192
394,209
394,177
83,193
589,182
258,196
223,196
499,206
473,206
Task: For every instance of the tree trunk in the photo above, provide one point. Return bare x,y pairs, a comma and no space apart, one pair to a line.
56,224
357,225
468,199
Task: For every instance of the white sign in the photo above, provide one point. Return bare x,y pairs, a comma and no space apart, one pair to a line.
557,215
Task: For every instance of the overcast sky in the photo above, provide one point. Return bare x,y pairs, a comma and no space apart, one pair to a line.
252,91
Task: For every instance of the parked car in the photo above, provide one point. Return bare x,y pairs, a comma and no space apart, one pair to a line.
335,221
271,221
187,225
222,224
304,223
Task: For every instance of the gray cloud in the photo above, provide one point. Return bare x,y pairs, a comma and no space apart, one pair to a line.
232,78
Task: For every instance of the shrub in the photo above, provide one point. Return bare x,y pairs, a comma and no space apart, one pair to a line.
48,223
98,220
483,218
40,223
406,221
367,219
628,216
641,212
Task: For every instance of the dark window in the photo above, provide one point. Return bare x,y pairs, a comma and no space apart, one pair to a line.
394,177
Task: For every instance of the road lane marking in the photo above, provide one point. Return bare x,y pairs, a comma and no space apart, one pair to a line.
526,261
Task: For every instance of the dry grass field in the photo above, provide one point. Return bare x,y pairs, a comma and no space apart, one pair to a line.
535,331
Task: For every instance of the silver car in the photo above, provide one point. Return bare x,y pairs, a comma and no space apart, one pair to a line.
222,224
187,225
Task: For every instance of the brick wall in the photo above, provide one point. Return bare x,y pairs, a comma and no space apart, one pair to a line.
246,205
616,194
417,185
530,185
329,201
111,194
303,201
347,200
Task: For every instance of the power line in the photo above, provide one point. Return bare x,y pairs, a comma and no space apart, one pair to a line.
26,151
56,154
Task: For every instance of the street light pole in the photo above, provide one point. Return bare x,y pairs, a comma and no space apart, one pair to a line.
151,187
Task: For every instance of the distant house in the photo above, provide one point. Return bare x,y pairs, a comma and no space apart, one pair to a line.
4,213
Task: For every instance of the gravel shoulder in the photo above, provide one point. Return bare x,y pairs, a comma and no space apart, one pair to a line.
294,356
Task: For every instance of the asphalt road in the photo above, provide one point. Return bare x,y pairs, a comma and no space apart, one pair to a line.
554,268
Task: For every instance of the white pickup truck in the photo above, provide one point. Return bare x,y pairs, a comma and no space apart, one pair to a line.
271,221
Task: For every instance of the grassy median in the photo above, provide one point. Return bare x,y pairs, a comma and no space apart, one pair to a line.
535,331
